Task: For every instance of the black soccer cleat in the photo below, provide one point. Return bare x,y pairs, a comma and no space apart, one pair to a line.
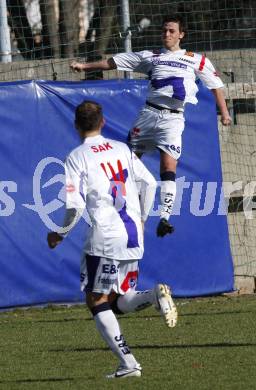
163,228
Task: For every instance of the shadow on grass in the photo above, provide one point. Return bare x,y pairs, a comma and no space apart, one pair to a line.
156,346
138,316
62,320
39,380
197,314
216,313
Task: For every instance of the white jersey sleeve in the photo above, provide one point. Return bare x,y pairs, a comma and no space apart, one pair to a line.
137,61
75,184
71,218
207,73
146,185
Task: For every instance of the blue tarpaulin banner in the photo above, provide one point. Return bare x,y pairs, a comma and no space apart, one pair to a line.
37,132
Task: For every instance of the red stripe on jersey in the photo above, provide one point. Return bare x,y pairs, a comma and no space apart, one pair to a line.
113,172
121,176
202,63
120,170
104,169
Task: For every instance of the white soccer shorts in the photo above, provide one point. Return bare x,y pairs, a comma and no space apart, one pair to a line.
101,275
157,129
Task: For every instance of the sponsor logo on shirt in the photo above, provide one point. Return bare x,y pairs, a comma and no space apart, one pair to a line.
188,61
105,281
109,269
174,64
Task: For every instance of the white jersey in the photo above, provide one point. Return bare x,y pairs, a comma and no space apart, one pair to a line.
102,175
172,74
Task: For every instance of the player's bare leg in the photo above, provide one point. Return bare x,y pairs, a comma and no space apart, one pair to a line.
168,192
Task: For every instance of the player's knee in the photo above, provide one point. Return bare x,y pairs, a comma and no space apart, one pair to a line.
168,176
104,306
114,306
93,299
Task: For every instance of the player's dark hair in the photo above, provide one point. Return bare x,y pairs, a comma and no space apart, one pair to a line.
88,116
175,18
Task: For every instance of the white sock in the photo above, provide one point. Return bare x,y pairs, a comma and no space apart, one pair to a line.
109,329
168,194
135,300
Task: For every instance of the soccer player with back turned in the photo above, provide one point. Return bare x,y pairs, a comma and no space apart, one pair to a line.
103,175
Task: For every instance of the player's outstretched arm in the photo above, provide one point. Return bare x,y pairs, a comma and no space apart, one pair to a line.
221,102
148,187
108,64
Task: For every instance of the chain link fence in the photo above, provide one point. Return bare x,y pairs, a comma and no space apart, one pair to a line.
47,34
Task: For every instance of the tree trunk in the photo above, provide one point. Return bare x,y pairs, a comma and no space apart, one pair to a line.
50,32
69,27
103,35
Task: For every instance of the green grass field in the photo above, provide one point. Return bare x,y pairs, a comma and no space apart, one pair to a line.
212,347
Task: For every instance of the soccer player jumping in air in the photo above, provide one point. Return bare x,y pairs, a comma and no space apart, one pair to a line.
103,175
173,72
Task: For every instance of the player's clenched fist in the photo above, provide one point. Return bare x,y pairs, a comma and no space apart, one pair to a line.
76,66
226,119
53,239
